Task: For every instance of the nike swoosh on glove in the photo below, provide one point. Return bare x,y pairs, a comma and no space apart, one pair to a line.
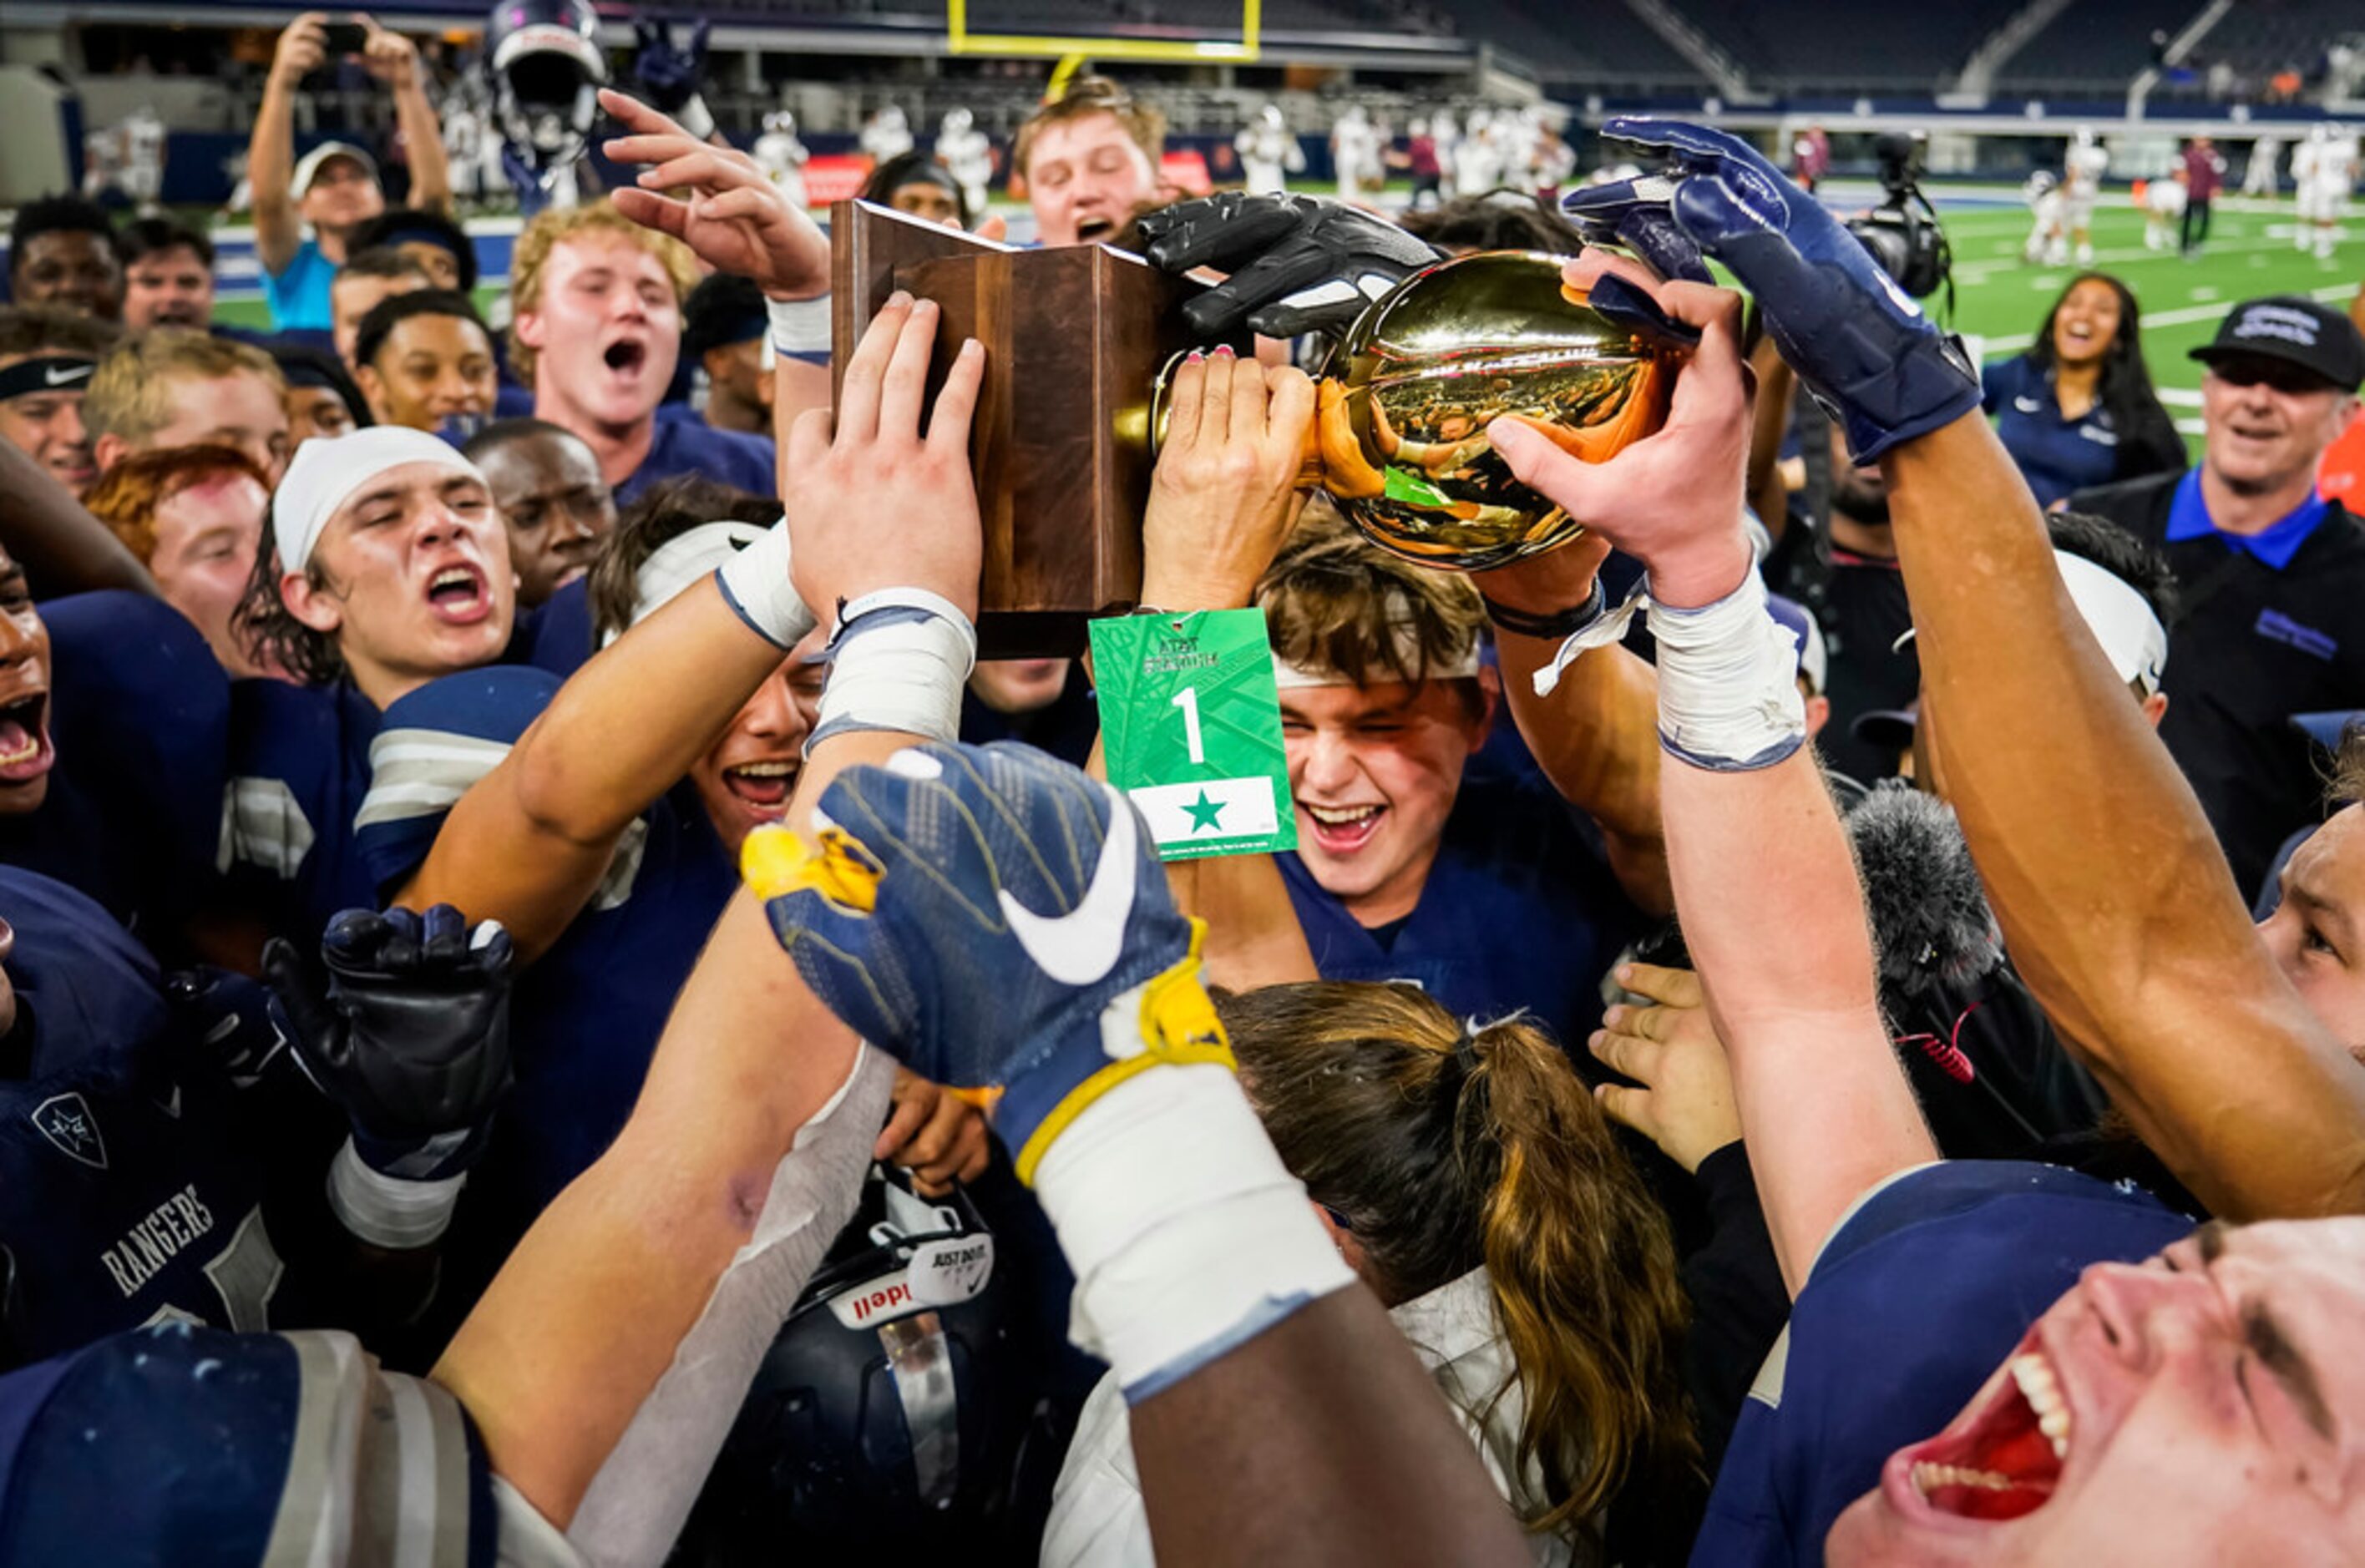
403,1019
1297,263
998,921
1857,341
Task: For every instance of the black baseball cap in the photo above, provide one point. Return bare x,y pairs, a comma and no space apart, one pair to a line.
2293,327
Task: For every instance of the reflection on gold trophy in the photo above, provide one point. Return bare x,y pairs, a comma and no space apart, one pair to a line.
1407,396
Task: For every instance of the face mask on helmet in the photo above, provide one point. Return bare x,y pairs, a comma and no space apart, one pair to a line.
547,70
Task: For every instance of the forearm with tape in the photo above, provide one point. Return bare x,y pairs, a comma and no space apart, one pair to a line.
1187,1235
1729,696
755,583
800,328
898,662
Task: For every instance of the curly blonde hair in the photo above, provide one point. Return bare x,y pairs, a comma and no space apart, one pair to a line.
549,229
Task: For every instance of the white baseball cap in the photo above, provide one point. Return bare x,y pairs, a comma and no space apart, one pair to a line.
307,167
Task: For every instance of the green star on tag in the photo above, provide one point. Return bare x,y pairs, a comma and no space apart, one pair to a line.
1191,729
1204,811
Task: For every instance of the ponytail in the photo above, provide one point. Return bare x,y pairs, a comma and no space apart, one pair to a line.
1442,1149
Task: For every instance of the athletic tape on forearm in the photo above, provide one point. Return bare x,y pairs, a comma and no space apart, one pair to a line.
389,1211
635,1508
898,662
1728,683
755,582
1187,1235
800,327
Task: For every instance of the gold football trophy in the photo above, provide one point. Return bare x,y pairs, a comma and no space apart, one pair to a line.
1406,397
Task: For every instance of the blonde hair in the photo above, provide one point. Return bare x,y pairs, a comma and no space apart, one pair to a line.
1338,603
554,225
130,395
1443,1147
1085,97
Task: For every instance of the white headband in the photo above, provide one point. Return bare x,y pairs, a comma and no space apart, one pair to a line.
2131,635
684,559
328,470
1288,676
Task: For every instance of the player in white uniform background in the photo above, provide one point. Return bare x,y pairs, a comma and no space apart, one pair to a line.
2048,236
143,160
967,156
2081,184
2259,178
463,138
1551,162
886,135
1269,154
1477,157
2164,201
102,161
2323,170
782,155
1355,144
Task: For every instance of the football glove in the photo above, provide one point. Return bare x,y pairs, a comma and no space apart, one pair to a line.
1297,263
996,920
403,1020
1857,341
668,77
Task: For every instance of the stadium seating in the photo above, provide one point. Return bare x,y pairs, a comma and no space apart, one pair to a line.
1612,50
1847,45
2093,46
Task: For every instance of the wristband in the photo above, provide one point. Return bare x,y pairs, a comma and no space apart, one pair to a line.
1560,624
755,582
1728,683
800,327
389,1211
898,661
695,117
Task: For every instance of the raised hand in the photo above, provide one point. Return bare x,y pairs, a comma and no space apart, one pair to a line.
302,48
1224,495
875,503
999,922
1855,339
1685,1105
390,57
1298,263
730,214
403,1018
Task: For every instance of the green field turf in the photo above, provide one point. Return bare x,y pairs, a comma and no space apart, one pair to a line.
2002,300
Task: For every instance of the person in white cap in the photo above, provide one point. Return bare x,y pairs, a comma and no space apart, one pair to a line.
334,188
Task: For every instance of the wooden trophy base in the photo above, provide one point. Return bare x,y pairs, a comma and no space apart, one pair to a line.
1075,339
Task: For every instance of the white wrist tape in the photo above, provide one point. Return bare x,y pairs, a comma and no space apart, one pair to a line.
696,117
755,582
800,327
387,1211
1728,683
898,661
1187,1235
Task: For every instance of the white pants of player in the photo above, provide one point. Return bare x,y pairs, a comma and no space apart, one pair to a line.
2259,179
1264,178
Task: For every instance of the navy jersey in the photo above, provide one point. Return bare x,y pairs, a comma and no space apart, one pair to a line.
191,1446
556,636
1911,1305
585,1017
138,709
132,1174
2055,454
299,767
693,446
1519,910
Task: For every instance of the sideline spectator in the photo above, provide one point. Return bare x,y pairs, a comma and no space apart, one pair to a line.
333,189
47,358
174,388
2270,574
168,276
597,333
2205,176
194,517
424,359
61,255
2078,409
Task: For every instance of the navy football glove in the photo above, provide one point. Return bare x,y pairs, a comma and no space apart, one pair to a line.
403,1021
998,921
1860,345
1298,263
668,77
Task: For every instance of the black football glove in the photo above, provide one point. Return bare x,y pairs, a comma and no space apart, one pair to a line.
1297,263
404,1021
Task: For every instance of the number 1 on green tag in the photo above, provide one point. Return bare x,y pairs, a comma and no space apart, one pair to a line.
1191,729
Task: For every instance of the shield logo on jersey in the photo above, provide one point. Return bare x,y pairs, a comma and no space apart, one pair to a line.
66,1122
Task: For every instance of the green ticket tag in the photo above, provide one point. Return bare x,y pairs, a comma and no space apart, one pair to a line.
1191,728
